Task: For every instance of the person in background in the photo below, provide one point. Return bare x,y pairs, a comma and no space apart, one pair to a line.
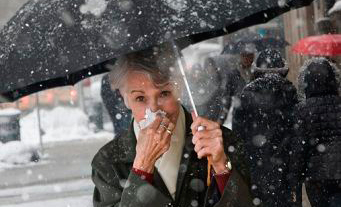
316,150
264,121
247,56
119,114
229,84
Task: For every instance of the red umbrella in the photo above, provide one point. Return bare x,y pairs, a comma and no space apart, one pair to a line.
322,45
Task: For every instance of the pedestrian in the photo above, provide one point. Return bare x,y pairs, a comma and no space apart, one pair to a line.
246,58
229,82
316,158
119,114
161,160
264,121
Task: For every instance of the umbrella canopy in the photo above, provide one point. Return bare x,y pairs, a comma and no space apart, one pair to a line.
60,42
322,45
259,43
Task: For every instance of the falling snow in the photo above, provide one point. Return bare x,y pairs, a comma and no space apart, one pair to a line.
94,7
177,5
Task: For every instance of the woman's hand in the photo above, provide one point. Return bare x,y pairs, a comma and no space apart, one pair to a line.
209,142
153,141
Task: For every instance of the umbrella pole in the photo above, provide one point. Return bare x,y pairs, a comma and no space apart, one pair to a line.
178,57
39,124
200,128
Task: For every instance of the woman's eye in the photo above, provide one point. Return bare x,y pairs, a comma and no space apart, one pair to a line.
165,93
139,99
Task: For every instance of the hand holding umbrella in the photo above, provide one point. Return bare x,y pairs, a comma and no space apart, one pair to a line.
209,143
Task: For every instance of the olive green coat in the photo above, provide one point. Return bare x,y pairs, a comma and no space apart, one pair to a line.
116,185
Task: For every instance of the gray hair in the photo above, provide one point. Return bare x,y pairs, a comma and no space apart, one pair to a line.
156,62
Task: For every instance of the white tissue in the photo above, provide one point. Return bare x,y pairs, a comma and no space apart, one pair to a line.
149,117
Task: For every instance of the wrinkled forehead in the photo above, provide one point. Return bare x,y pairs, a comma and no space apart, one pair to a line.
144,80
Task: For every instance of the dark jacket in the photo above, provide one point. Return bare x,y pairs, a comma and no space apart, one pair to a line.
316,154
111,168
317,147
264,121
119,114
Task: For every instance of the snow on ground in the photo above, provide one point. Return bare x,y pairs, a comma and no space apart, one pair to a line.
59,124
16,152
80,201
75,193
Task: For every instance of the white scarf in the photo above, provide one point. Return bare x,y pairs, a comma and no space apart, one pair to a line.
168,164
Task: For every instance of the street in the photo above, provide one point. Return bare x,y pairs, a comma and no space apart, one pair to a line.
64,172
61,179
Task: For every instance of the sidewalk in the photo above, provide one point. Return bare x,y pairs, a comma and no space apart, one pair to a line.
65,172
52,195
64,161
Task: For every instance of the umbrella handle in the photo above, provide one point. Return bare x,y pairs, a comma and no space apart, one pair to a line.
209,162
209,166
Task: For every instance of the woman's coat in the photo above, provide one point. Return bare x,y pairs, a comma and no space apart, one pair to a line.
116,185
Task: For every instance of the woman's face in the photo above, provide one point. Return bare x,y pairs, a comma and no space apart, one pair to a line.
247,59
140,93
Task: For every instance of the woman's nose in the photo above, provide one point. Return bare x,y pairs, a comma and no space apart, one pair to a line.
154,106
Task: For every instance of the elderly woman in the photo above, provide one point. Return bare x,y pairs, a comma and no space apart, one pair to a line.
161,161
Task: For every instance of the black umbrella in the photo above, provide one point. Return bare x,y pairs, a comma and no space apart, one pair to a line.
60,42
258,42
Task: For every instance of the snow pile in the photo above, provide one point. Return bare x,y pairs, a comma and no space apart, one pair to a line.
73,201
335,8
16,152
58,124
